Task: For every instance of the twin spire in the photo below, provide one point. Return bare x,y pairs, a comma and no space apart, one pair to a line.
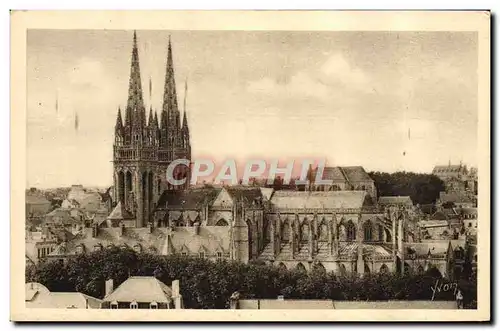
135,112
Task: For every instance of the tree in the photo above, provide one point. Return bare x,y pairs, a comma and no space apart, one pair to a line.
208,285
422,188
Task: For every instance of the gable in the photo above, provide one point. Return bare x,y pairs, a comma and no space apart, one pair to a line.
223,199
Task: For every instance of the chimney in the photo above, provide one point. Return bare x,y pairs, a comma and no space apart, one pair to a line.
176,295
108,287
122,229
95,230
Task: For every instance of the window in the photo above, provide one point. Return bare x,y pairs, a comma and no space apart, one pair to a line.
351,231
470,224
39,253
97,248
184,254
202,255
221,222
79,249
114,305
134,305
137,248
368,230
153,305
219,256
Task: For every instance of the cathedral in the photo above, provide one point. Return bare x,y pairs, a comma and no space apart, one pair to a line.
340,228
144,148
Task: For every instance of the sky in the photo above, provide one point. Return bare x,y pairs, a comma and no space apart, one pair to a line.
387,101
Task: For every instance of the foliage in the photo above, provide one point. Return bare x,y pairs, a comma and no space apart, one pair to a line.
208,285
422,188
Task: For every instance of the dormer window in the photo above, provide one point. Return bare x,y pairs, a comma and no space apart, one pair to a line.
80,249
153,305
134,305
114,305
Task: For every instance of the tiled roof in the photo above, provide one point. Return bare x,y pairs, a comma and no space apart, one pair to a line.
119,213
319,200
62,300
188,199
386,200
441,216
332,173
356,174
350,249
434,247
246,194
36,199
454,197
266,192
213,238
31,289
141,289
343,174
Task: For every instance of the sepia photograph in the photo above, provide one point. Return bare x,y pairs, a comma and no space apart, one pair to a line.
214,162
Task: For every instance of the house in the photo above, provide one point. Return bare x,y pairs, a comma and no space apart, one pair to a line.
38,296
140,292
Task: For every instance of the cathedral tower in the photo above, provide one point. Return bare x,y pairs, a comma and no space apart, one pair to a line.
143,147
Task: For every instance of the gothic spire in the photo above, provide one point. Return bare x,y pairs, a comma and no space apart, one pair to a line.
185,127
119,122
135,103
150,119
170,93
155,120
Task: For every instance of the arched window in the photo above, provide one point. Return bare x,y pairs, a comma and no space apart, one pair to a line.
134,305
323,231
367,229
420,269
388,237
342,233
282,266
304,231
351,231
285,232
384,269
342,270
222,222
367,269
380,233
319,268
153,305
300,268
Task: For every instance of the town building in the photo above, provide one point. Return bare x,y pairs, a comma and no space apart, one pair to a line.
38,296
140,292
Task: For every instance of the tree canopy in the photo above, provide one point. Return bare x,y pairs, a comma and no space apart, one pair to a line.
422,188
208,285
